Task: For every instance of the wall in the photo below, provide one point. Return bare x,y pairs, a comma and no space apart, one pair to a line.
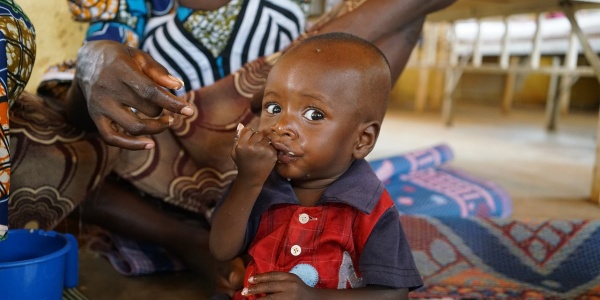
58,37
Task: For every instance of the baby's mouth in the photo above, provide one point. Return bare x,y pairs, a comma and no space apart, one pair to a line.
285,157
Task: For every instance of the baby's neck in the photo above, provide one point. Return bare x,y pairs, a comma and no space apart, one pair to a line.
308,197
308,191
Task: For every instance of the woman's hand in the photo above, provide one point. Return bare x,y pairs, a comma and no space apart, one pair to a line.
113,79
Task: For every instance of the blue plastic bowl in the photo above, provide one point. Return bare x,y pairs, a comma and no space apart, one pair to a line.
37,264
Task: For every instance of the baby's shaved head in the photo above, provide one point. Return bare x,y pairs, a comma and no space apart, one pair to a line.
351,53
341,37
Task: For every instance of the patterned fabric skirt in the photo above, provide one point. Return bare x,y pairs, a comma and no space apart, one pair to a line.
75,163
17,55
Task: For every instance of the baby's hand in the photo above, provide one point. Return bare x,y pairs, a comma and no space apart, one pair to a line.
279,285
253,154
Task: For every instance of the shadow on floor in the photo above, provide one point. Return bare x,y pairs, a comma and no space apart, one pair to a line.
98,281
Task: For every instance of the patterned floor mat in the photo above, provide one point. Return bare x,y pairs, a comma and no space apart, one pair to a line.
73,294
481,258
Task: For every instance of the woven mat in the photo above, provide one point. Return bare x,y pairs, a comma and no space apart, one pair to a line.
73,294
487,258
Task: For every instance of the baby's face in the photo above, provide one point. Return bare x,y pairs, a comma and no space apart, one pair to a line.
310,112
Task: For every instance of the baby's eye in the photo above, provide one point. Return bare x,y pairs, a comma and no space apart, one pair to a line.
273,108
313,114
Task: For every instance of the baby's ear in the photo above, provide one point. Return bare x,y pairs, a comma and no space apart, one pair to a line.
367,136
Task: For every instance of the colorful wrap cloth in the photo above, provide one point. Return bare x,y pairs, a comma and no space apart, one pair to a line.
17,55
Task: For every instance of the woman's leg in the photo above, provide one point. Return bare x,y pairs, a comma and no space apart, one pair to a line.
121,210
398,46
384,17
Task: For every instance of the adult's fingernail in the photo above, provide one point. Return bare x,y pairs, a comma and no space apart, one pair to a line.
171,120
149,146
188,111
179,81
245,292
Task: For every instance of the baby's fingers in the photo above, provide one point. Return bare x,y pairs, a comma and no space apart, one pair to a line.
273,283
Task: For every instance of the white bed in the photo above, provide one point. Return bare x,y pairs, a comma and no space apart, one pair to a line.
555,34
478,28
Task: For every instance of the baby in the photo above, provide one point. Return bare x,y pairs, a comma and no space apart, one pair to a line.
305,205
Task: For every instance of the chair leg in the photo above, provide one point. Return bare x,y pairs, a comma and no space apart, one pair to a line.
552,100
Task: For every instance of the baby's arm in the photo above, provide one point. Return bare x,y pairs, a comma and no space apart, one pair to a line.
283,285
255,158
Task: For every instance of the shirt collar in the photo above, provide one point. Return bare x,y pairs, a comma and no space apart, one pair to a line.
358,187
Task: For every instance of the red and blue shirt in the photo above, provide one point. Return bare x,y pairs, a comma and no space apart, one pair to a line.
352,237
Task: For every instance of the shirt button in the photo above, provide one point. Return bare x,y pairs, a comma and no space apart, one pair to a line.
296,250
303,218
